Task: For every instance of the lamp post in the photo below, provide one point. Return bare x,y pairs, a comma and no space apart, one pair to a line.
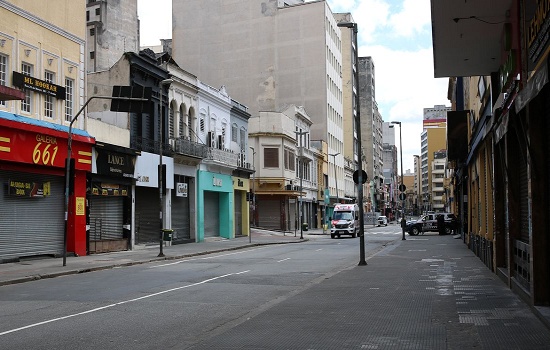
360,174
68,161
402,186
300,209
160,172
253,194
333,155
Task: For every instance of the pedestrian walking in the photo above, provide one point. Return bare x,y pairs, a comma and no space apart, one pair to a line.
440,224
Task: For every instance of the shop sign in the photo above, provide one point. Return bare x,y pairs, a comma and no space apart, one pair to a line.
27,82
106,189
538,32
37,148
115,164
181,189
28,189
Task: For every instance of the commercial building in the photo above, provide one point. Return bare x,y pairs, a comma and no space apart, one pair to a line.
497,133
42,88
270,55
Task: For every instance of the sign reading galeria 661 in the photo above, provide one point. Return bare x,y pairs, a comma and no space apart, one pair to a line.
37,145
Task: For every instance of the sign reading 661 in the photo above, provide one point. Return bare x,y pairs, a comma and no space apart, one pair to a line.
45,150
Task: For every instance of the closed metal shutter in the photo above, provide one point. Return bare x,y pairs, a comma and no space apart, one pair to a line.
211,214
238,213
180,219
147,215
106,218
269,214
31,226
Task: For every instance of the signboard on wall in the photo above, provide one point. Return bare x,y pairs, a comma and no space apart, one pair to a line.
181,189
28,189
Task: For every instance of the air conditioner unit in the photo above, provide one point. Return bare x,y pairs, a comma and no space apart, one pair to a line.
239,162
213,142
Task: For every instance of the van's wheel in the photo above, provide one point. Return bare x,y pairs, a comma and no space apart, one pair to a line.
354,234
415,231
448,230
332,235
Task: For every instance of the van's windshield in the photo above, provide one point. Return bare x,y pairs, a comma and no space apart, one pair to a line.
343,215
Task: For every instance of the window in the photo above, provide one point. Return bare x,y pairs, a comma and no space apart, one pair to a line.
243,139
48,99
92,31
98,11
202,123
26,69
290,161
171,124
87,16
271,157
3,73
234,134
92,55
69,96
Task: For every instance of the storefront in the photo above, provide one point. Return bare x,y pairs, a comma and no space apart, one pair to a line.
214,205
241,213
32,196
183,204
109,198
147,197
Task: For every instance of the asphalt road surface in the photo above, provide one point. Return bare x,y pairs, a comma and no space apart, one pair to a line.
176,304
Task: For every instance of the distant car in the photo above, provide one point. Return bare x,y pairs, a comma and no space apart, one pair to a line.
428,223
382,220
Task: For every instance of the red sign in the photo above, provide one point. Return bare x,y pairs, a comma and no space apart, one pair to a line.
37,145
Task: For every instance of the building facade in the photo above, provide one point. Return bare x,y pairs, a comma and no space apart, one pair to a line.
42,87
270,55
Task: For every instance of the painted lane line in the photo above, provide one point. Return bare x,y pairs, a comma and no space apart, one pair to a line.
284,260
203,258
119,303
318,250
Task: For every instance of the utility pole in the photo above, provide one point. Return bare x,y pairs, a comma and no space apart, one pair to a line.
300,175
160,172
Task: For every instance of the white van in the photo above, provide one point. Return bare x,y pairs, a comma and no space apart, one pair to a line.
344,220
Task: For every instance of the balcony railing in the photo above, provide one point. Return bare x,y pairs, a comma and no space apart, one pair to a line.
221,156
187,147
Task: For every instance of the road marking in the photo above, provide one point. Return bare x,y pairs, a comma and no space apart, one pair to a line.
318,250
203,258
119,303
283,260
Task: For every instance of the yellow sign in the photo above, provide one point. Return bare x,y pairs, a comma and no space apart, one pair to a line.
80,206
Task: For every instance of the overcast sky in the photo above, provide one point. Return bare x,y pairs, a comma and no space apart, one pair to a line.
395,33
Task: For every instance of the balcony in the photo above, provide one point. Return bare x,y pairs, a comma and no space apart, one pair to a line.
221,157
186,147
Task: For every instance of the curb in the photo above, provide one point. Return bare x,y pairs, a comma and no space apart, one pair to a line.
137,262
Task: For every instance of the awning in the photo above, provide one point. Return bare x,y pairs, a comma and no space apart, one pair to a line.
457,135
532,88
7,94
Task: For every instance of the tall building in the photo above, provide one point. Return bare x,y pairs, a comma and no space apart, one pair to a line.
432,139
371,129
269,55
112,29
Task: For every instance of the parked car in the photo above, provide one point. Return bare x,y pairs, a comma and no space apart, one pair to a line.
428,223
382,220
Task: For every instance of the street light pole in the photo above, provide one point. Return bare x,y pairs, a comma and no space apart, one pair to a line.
333,155
160,172
253,194
68,162
300,209
362,260
403,221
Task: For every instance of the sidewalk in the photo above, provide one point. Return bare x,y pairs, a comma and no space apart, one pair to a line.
424,293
